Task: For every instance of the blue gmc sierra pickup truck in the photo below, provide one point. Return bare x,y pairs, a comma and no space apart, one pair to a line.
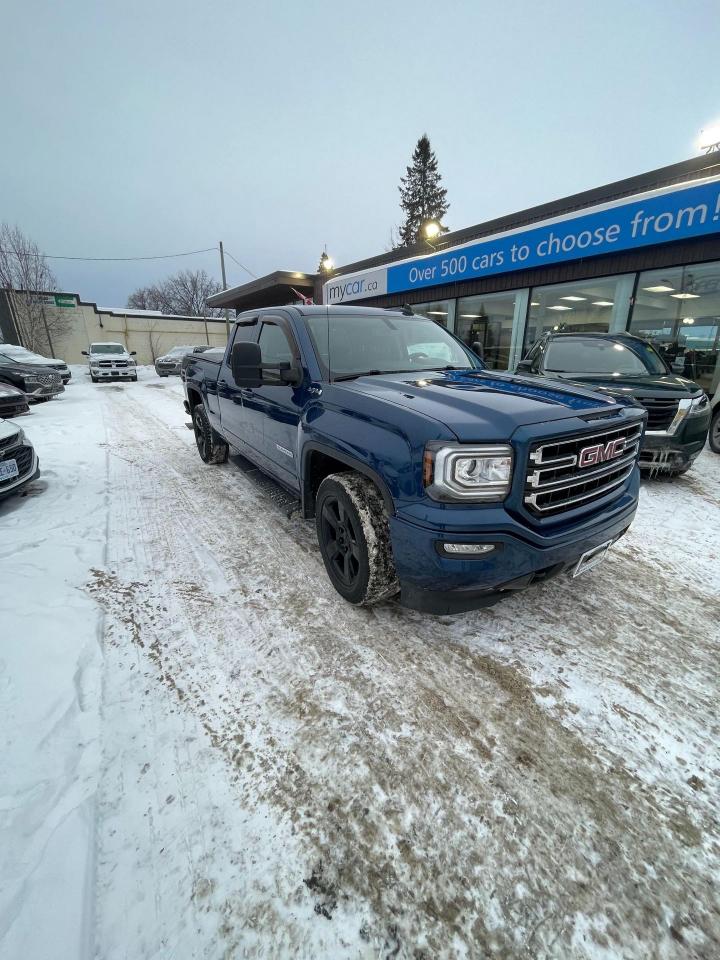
427,474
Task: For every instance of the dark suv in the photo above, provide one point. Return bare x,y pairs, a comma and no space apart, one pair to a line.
628,366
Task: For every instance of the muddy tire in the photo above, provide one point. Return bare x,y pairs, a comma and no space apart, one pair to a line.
211,446
354,538
714,434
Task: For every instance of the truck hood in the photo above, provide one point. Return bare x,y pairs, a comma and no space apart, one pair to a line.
668,384
482,404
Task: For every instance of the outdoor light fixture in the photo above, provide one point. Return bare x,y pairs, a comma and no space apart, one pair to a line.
534,303
709,139
573,298
327,263
688,319
470,316
559,306
437,313
659,288
602,303
685,296
432,229
468,549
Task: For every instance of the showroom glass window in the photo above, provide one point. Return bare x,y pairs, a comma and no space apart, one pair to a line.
442,311
678,310
584,307
484,324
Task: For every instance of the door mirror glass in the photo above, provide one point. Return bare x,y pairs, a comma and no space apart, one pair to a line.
133,353
84,352
246,363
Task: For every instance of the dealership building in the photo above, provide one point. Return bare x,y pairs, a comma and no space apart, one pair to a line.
641,255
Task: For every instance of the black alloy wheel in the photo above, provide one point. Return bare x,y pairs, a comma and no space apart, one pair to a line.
341,540
211,447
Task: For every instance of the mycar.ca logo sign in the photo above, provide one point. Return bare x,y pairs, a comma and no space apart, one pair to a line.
662,216
356,286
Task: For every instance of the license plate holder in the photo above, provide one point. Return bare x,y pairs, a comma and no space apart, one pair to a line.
8,469
591,558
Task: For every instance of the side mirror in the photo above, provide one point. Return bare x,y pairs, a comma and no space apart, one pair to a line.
133,353
84,352
525,366
246,364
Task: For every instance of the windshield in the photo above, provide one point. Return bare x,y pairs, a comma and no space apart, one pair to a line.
107,348
600,357
351,345
178,351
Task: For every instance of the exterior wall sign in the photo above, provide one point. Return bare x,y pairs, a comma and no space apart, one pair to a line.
658,217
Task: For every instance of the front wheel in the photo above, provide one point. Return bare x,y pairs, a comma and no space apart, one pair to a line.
354,538
211,446
714,435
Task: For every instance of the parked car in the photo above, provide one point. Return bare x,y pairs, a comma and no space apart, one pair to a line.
13,402
426,473
625,365
110,361
13,352
18,461
171,362
714,434
38,383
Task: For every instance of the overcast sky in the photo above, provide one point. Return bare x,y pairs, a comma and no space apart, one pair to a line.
158,126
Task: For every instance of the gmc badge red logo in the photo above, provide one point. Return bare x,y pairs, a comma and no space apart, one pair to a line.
599,453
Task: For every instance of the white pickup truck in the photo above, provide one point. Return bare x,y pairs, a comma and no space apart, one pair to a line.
110,361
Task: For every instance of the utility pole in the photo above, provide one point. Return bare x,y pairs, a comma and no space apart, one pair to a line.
222,268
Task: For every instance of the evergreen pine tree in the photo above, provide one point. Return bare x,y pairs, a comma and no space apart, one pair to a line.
422,196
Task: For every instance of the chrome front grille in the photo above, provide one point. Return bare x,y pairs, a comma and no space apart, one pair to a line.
558,481
49,379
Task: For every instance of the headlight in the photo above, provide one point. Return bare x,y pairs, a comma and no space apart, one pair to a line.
699,405
132,363
460,471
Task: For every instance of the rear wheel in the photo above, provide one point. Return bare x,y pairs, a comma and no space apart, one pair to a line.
714,435
354,538
211,446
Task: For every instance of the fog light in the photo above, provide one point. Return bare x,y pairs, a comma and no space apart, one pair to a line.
468,548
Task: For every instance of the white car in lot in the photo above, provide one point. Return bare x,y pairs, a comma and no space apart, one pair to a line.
110,361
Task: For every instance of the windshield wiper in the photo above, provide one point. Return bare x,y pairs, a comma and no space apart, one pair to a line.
366,373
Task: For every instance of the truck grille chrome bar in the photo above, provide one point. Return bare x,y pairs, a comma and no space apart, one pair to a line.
572,471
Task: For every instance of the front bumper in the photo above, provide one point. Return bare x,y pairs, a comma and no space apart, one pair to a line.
434,582
167,369
113,373
668,452
7,488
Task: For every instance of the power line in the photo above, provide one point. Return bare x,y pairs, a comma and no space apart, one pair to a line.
242,265
163,256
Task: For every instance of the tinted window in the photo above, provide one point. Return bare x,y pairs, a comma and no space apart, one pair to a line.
575,355
274,344
245,332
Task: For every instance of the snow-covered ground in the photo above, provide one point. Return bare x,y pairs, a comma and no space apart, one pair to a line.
206,753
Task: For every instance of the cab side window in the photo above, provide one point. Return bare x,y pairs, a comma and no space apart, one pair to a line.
274,345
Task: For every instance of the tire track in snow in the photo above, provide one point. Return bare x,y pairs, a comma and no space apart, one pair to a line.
408,761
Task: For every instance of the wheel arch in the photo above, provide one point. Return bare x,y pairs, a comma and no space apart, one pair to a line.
320,460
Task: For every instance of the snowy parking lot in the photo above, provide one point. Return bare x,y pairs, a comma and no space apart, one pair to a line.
208,754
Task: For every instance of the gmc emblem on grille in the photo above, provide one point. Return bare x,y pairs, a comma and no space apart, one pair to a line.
600,453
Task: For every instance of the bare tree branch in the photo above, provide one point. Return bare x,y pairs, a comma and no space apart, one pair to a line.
25,271
184,294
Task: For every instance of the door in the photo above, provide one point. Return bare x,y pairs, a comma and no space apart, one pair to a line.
279,405
234,419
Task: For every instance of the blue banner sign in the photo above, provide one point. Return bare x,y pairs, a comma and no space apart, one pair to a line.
659,218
